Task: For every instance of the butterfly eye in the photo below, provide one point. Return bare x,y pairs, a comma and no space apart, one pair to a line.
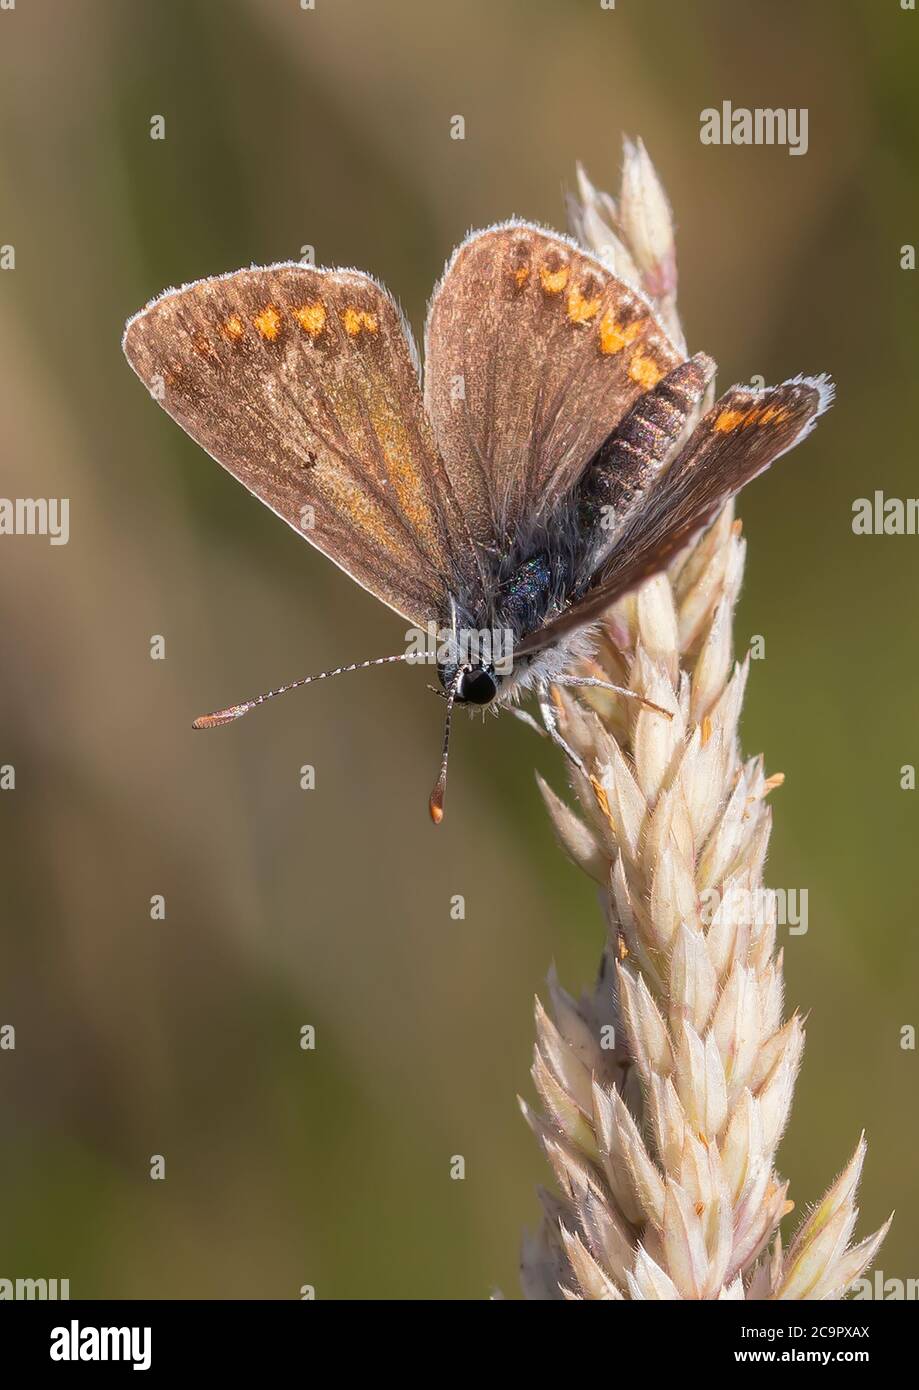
477,687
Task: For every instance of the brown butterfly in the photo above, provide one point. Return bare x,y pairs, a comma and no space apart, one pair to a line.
552,460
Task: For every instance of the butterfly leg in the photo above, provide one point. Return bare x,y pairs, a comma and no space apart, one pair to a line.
593,683
549,719
527,718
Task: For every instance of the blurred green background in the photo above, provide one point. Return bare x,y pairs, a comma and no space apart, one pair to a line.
331,128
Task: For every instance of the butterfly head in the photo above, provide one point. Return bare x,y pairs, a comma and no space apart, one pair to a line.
477,683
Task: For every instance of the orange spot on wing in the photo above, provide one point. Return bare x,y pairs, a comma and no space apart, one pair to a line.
522,274
644,370
233,328
614,336
581,310
311,318
728,420
268,322
356,320
201,345
553,281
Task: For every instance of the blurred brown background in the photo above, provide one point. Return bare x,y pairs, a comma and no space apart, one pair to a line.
331,128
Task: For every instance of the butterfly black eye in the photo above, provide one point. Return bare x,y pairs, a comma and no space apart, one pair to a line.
477,687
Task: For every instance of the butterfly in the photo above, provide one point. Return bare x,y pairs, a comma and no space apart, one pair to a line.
555,454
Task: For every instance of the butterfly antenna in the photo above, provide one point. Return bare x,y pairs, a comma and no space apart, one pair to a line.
226,716
436,803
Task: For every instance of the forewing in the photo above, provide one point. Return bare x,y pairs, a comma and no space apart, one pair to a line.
303,384
743,433
533,354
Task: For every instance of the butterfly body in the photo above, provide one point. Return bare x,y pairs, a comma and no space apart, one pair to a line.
523,593
546,571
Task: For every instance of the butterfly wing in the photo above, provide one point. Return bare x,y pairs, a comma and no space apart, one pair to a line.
303,384
743,433
533,353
